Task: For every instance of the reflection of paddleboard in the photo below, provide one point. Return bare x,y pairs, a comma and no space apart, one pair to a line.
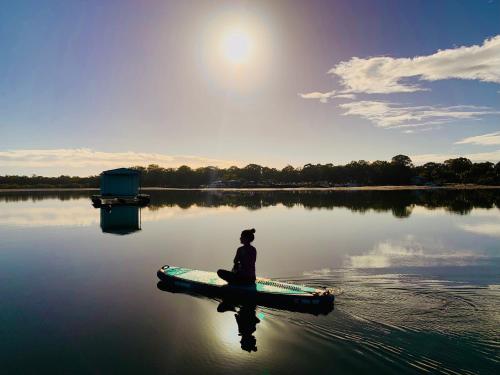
263,290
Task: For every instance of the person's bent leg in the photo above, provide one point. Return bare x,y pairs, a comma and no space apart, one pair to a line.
229,276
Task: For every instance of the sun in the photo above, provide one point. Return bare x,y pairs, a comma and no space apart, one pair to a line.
236,46
235,50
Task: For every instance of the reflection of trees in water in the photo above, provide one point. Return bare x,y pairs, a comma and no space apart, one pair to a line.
20,196
399,202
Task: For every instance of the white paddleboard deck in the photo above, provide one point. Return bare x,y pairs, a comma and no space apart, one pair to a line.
189,278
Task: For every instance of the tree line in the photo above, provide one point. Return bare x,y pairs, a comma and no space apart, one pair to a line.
400,170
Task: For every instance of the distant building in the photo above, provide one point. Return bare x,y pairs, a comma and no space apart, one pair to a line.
121,182
225,184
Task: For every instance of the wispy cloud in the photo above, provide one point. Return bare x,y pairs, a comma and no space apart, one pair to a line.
346,96
394,115
321,96
485,139
493,156
389,75
385,75
88,158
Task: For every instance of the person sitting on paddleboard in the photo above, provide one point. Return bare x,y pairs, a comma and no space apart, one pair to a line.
244,262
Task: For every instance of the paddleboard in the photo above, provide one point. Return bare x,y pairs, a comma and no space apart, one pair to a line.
263,290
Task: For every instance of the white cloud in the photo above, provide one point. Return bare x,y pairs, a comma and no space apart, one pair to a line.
97,160
424,129
388,75
393,115
345,96
325,96
487,229
485,139
493,156
489,224
411,253
322,96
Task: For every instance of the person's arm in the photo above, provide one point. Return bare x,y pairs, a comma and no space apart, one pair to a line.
236,260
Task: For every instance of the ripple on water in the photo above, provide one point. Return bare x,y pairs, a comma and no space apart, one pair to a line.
421,323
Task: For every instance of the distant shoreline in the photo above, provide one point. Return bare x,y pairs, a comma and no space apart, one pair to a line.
350,188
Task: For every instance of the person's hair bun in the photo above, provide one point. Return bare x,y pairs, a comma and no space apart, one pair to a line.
252,230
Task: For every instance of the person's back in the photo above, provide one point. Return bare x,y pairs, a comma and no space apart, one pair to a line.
244,262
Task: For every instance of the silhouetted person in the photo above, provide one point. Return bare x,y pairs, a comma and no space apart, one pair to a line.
243,271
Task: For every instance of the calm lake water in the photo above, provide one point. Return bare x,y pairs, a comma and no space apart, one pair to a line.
417,275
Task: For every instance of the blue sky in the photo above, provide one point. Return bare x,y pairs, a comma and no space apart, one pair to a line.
87,85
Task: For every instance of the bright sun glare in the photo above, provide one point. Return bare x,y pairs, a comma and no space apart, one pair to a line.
236,46
235,50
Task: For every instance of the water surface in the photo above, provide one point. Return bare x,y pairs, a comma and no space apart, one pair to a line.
417,274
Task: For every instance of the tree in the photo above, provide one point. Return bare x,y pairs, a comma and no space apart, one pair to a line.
433,172
381,172
289,174
252,172
401,169
185,176
402,160
459,168
482,173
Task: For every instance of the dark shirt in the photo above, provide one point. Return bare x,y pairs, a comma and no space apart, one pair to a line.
244,261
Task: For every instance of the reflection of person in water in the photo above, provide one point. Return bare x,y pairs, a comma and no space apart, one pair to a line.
247,324
243,271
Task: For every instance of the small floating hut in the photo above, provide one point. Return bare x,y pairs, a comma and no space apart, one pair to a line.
120,187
